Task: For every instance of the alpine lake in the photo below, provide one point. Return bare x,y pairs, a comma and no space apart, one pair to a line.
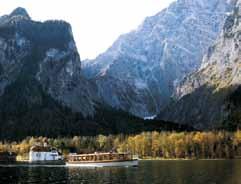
148,172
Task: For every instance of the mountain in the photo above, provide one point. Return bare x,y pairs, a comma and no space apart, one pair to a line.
43,91
45,54
140,71
41,86
211,96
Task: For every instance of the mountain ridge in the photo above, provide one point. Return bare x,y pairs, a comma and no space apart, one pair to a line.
147,64
43,91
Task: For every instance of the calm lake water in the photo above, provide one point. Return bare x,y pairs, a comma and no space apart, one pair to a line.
148,172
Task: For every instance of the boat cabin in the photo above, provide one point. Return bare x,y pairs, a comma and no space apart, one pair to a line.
44,153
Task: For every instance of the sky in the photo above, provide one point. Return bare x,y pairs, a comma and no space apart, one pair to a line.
96,24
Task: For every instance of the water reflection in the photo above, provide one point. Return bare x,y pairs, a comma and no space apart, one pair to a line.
101,175
23,174
155,172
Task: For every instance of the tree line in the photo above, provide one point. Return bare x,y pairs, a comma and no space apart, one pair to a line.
167,145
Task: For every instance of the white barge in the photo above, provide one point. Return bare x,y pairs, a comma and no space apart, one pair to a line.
102,160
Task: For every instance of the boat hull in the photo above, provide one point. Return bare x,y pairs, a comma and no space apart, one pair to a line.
129,163
47,162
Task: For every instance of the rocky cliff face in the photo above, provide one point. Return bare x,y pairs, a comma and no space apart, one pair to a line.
210,97
43,52
140,71
42,91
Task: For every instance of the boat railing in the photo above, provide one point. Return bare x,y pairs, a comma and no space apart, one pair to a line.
99,157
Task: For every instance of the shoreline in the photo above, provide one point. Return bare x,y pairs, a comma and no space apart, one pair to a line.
185,159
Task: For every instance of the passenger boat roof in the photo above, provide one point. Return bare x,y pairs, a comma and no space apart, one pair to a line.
93,154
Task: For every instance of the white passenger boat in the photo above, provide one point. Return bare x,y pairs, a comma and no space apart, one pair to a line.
44,155
102,160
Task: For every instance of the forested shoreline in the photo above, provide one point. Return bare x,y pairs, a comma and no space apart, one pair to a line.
164,145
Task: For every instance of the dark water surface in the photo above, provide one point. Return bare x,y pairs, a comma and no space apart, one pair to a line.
148,172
